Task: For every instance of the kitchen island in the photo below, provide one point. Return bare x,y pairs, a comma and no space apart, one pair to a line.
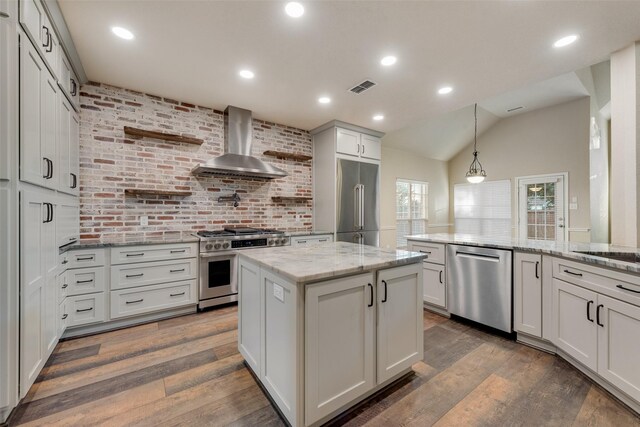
323,327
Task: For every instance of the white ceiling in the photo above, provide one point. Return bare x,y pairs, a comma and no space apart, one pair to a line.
193,50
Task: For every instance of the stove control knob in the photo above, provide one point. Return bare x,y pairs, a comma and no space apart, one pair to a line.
285,241
208,246
271,242
282,241
225,245
217,246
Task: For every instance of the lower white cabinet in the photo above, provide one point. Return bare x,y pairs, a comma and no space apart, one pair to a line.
528,293
250,311
68,220
311,239
434,287
619,344
400,326
340,351
85,309
150,273
82,281
129,302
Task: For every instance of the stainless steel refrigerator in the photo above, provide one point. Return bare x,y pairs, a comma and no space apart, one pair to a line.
358,202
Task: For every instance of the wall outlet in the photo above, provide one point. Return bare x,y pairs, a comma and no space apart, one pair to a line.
278,292
573,206
144,220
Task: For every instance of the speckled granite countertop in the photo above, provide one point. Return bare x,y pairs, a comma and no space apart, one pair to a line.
304,264
599,253
131,239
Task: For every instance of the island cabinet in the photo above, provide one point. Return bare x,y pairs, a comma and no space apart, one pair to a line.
434,273
320,347
527,293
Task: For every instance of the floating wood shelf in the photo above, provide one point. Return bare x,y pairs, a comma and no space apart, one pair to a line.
143,192
292,156
291,199
171,137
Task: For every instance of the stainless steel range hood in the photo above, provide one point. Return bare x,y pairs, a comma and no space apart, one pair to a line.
237,159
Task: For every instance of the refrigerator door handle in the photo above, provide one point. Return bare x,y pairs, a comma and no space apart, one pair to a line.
361,206
356,205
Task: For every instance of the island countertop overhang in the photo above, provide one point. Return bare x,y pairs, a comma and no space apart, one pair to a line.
324,261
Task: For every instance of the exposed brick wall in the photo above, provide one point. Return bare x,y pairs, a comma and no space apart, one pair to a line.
110,162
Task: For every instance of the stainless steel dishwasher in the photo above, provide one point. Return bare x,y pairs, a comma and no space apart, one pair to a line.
480,285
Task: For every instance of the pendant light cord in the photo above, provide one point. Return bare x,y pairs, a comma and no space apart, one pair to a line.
475,129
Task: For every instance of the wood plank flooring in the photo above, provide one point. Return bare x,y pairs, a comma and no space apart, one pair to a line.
187,371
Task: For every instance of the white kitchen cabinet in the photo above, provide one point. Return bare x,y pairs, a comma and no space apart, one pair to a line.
311,239
38,120
67,141
135,301
151,273
38,27
528,293
358,144
86,309
82,281
618,344
67,79
63,315
340,350
574,327
250,312
434,287
400,325
68,220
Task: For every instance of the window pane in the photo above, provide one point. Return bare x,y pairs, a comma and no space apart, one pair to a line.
402,230
402,200
411,209
485,208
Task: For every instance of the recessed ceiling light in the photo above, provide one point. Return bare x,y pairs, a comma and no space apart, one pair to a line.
388,60
246,74
445,90
378,117
294,9
565,41
123,33
324,100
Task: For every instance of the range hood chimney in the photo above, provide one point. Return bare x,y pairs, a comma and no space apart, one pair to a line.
237,159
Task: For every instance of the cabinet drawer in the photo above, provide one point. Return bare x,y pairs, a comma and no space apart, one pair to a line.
63,287
82,258
132,254
434,251
625,287
151,273
130,302
85,309
307,240
85,280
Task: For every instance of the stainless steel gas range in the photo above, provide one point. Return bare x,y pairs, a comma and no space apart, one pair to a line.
219,260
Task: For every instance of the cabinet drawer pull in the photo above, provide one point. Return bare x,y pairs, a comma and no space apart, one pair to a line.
84,309
177,295
384,282
86,258
589,311
176,271
71,239
134,275
425,252
537,265
302,241
598,315
74,87
65,286
79,282
371,297
178,251
441,282
627,289
74,182
64,316
323,240
134,301
4,15
572,273
65,261
139,254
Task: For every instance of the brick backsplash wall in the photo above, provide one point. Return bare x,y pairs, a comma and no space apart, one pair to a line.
111,162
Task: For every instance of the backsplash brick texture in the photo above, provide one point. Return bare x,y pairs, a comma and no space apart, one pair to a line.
111,162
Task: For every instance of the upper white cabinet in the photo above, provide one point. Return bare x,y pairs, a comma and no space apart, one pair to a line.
358,144
67,147
38,120
68,80
68,220
528,293
37,25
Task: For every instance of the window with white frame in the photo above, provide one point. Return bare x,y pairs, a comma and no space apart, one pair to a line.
483,209
412,209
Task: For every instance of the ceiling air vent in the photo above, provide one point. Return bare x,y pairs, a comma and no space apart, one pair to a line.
511,110
361,87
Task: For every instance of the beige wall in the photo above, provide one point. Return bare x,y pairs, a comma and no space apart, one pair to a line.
548,140
401,164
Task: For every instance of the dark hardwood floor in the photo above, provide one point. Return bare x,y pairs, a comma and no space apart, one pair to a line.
187,371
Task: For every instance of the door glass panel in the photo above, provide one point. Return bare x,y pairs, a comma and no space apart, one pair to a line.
219,273
541,211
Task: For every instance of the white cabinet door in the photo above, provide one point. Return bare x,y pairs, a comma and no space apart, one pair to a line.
34,21
33,278
574,327
63,144
50,255
370,147
400,326
348,142
68,220
63,315
74,154
250,313
434,290
528,293
618,344
340,343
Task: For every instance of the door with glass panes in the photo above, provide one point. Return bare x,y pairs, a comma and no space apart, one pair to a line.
541,208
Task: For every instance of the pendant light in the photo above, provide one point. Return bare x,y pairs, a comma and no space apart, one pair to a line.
476,173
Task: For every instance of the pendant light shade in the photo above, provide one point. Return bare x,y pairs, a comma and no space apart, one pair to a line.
476,173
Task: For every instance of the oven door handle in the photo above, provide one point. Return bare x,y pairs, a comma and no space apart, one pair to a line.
218,254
